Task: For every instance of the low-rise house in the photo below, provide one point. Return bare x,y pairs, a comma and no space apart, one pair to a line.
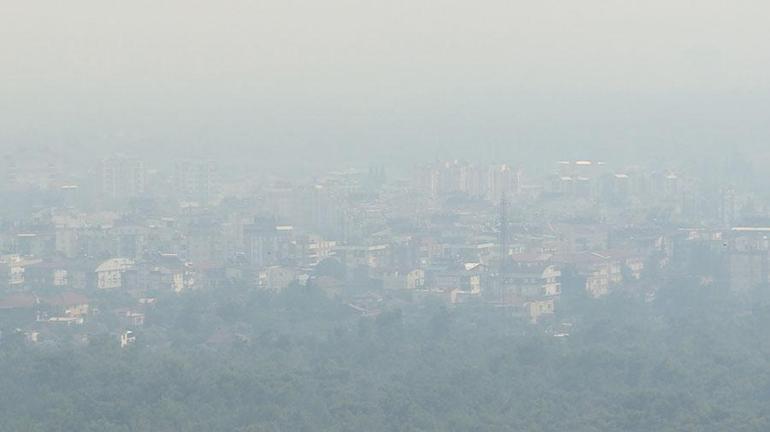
12,270
411,280
530,277
127,338
312,249
110,273
748,258
130,317
599,272
66,308
40,241
465,277
210,275
632,264
539,308
581,237
276,278
62,273
57,273
165,272
532,310
18,308
477,251
371,256
457,296
67,304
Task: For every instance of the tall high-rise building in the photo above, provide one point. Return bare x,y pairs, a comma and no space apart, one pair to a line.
11,171
122,177
196,181
502,181
267,244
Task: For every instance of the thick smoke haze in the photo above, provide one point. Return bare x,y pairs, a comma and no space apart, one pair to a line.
347,80
384,215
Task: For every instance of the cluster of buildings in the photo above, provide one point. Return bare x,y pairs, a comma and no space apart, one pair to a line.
491,234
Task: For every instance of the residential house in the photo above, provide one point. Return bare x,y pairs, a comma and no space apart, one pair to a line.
599,272
109,273
276,278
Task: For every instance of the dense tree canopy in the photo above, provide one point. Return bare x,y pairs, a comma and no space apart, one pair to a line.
301,362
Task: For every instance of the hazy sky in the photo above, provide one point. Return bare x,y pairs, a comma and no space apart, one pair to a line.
384,78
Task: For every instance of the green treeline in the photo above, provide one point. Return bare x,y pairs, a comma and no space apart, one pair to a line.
689,361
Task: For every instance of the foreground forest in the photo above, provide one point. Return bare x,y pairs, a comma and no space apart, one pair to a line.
689,361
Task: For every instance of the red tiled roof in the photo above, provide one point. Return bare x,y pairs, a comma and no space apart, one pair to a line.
66,299
530,257
580,258
18,301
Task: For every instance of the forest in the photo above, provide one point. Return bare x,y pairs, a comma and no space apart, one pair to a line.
691,360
